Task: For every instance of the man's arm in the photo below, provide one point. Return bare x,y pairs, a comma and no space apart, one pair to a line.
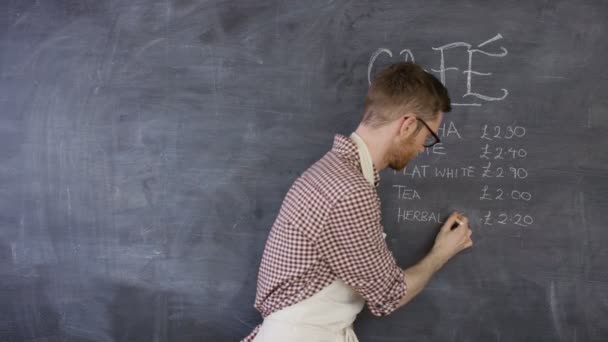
352,245
448,243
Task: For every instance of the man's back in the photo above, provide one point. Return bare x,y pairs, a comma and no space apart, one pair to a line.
292,268
329,227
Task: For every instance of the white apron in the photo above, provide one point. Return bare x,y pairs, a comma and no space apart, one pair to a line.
329,314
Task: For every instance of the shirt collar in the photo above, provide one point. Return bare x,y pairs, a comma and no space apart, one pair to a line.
347,148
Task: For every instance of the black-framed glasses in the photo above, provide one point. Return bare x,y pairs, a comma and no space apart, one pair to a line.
431,139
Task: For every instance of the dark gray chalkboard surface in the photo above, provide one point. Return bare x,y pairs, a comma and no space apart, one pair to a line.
146,146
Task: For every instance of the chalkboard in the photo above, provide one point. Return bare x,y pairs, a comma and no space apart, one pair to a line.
146,147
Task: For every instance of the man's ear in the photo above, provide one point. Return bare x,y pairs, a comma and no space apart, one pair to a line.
408,125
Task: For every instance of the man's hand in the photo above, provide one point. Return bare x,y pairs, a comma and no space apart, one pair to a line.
450,242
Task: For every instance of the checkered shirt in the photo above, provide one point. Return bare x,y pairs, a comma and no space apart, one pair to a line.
329,227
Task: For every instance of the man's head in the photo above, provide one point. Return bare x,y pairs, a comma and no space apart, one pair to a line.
402,100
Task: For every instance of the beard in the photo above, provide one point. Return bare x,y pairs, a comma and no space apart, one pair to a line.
401,153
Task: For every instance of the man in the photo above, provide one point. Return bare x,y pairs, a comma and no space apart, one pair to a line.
326,255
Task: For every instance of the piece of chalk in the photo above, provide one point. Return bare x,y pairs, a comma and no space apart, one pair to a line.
458,223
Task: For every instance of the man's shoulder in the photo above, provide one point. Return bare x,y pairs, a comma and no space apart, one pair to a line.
315,193
335,177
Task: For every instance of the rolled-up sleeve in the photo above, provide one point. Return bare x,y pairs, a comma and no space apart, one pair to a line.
352,243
